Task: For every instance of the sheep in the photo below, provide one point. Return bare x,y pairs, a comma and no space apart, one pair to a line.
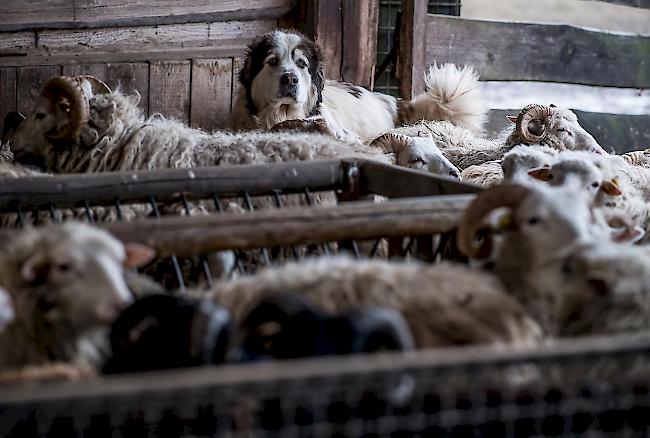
67,285
438,309
615,186
543,224
514,166
557,128
75,128
163,331
609,289
285,326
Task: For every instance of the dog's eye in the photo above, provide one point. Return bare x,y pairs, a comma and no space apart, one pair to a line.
301,63
272,61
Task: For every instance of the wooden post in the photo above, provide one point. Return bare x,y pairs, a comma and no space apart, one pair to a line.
411,60
346,31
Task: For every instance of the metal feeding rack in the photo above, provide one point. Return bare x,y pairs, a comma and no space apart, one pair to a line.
595,387
265,235
583,387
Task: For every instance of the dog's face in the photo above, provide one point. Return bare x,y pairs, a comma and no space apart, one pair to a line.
283,68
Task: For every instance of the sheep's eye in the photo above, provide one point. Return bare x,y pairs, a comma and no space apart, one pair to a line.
533,220
63,267
564,130
595,184
272,61
301,63
39,116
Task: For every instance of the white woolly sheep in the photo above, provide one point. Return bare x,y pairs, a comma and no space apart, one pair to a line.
439,308
514,166
76,128
557,128
542,225
617,187
67,285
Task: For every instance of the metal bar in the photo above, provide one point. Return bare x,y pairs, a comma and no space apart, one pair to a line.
118,209
89,213
175,264
279,204
249,205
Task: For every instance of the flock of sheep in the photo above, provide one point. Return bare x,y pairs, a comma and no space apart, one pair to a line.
553,243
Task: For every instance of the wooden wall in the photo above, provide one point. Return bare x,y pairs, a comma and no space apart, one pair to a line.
182,59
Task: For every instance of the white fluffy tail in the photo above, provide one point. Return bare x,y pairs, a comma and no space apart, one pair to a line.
452,94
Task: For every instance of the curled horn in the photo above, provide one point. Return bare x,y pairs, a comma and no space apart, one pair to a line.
98,86
528,117
70,89
392,142
506,195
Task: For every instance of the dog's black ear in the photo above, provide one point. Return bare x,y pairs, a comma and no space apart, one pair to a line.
256,53
316,71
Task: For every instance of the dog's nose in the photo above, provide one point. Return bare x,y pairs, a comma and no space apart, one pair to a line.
289,79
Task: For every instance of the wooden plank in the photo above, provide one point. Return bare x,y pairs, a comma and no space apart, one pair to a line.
169,89
295,226
211,93
237,65
359,51
30,82
620,133
323,21
166,184
7,91
399,182
180,386
133,44
14,43
131,78
146,38
65,14
540,52
412,51
633,3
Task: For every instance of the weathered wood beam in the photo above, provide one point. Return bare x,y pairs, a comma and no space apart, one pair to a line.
104,188
184,236
411,59
67,14
539,52
620,132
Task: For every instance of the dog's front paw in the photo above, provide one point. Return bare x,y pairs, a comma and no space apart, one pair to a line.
304,125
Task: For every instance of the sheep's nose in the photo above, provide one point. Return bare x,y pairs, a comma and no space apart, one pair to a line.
289,79
454,174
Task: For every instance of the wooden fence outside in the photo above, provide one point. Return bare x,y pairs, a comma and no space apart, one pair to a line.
503,51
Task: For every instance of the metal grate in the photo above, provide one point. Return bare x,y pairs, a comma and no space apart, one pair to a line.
586,387
388,16
208,192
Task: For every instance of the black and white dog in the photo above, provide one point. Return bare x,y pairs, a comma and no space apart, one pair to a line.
282,79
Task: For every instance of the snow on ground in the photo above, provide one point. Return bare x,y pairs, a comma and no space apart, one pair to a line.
517,94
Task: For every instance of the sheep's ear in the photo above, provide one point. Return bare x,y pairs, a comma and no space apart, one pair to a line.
541,173
36,267
137,255
513,119
611,187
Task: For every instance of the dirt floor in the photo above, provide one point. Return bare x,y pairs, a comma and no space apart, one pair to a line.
589,13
